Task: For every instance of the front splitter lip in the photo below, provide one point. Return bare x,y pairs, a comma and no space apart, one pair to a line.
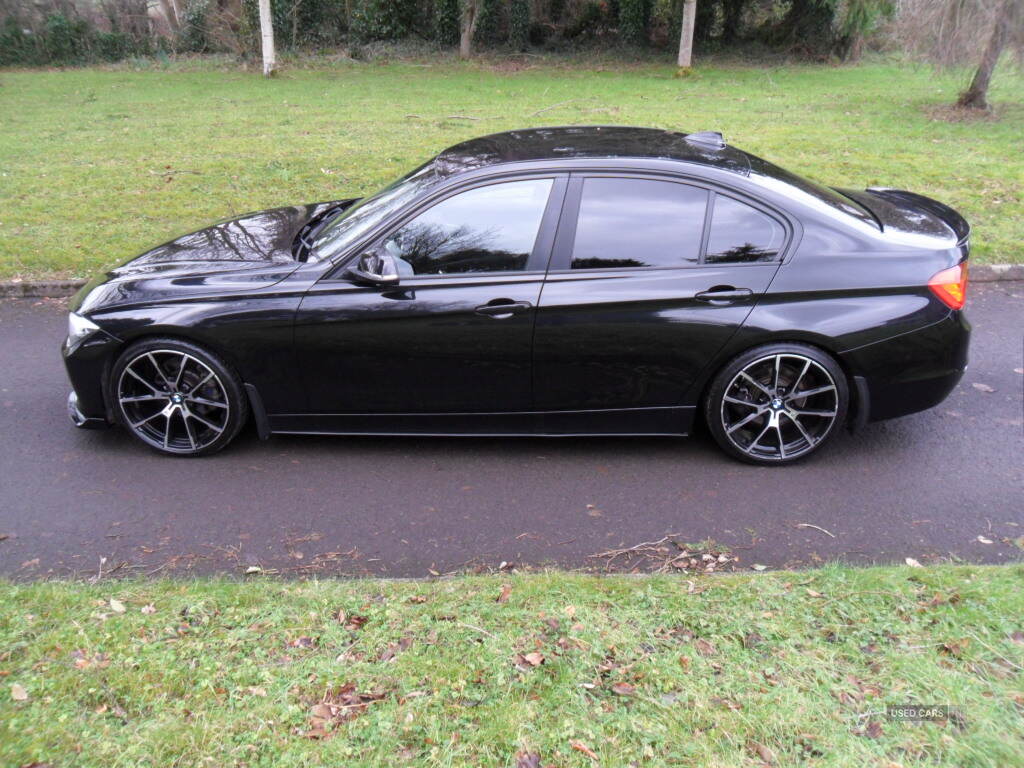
79,419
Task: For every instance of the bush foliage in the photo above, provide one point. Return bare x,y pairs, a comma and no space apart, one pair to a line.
65,32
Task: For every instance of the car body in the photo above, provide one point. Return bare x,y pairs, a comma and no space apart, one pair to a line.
549,281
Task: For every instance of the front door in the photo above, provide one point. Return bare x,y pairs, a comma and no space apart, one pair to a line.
455,335
649,279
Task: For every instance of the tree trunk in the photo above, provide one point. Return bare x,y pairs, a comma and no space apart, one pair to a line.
469,19
177,14
976,96
267,36
167,11
686,34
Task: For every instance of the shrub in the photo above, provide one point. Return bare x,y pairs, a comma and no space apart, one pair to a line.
488,27
193,36
633,18
381,19
65,40
17,46
446,21
519,24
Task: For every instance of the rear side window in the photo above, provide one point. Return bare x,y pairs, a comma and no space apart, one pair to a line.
742,234
638,223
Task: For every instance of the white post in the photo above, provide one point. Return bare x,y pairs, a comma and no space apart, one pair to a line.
686,34
267,35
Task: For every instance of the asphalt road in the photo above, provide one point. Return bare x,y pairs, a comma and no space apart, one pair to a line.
926,486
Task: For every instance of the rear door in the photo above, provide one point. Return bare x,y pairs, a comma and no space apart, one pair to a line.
650,277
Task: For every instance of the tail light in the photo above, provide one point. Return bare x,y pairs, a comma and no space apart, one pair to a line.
950,285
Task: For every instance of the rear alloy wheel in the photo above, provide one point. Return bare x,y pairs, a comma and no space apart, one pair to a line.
777,403
178,398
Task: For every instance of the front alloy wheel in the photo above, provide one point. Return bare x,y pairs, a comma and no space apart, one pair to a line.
177,397
777,403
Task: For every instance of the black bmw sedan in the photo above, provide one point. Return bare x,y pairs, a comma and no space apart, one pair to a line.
552,281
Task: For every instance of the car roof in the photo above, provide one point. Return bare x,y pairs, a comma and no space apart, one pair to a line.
590,141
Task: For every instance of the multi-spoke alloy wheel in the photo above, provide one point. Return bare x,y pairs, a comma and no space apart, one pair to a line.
177,398
777,403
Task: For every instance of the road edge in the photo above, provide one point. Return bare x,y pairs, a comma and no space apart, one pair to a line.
58,289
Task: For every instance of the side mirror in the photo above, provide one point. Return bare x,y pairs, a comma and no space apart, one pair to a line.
374,269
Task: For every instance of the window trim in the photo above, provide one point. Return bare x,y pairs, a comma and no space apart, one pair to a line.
536,263
561,254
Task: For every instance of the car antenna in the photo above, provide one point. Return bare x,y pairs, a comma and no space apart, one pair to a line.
709,139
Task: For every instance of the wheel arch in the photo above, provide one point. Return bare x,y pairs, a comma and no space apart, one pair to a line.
858,404
151,333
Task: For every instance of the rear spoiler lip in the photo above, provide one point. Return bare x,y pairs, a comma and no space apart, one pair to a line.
948,215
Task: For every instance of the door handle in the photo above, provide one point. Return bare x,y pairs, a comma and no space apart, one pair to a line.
723,294
499,309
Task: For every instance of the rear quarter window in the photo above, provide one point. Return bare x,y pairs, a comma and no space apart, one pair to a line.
742,234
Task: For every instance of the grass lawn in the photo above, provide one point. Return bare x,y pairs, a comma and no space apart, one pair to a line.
547,669
96,165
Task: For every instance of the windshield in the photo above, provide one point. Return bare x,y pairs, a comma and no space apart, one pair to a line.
370,211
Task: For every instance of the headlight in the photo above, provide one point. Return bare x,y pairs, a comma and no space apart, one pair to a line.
79,329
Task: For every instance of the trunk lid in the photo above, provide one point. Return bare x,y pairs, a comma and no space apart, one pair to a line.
912,218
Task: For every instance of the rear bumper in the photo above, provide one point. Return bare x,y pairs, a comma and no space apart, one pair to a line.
913,371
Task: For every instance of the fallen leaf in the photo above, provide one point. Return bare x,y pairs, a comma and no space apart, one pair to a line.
527,760
148,608
982,387
912,562
579,746
956,647
873,729
256,690
116,606
417,599
761,751
534,659
302,642
506,590
983,540
813,593
30,563
18,692
758,567
624,689
752,639
704,648
727,703
321,711
1017,637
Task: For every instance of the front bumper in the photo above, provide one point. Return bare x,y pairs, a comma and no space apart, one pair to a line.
87,366
79,419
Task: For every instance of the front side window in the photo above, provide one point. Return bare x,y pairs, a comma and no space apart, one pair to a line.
742,234
486,229
638,223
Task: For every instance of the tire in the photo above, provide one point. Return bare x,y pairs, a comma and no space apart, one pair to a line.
177,397
753,415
